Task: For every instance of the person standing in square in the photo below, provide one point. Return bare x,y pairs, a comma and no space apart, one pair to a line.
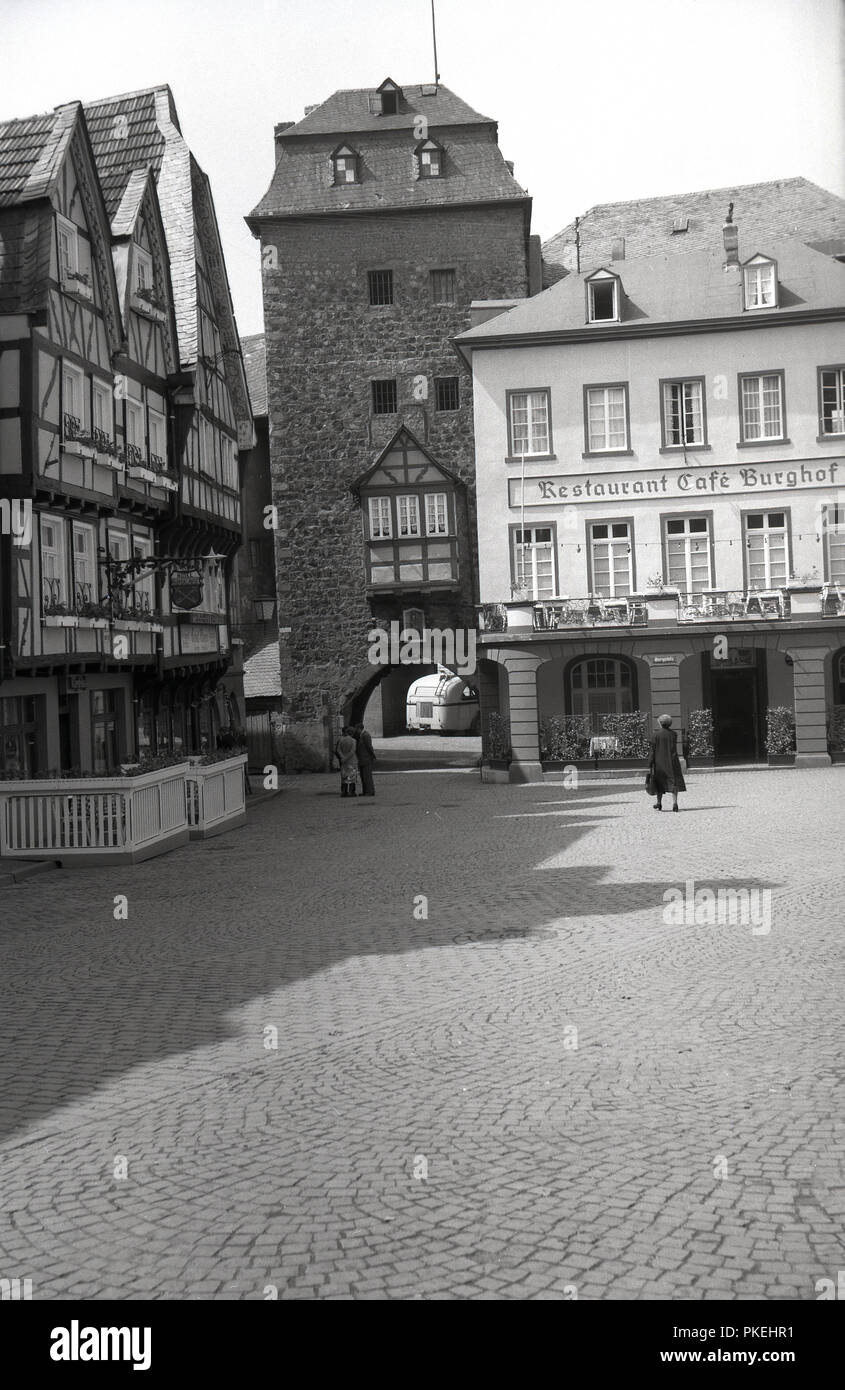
366,758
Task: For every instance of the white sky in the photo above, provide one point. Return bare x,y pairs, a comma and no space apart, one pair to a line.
595,102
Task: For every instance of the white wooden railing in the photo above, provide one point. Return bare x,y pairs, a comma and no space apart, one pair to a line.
94,819
216,796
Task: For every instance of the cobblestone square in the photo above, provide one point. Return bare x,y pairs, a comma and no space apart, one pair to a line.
441,1044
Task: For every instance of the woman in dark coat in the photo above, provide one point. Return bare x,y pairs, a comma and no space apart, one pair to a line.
665,764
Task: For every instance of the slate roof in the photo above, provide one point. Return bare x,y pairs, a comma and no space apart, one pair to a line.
23,144
670,288
262,672
474,170
25,240
117,155
31,150
348,111
792,207
254,352
153,138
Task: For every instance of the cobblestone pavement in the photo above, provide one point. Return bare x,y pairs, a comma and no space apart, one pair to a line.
425,1125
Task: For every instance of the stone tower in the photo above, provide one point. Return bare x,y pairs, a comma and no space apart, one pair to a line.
390,210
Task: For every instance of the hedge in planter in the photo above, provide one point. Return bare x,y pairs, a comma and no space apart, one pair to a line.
498,738
780,730
700,733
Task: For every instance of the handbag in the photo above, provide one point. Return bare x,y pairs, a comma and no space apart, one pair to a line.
650,784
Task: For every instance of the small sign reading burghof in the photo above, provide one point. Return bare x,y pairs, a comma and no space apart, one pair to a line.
186,586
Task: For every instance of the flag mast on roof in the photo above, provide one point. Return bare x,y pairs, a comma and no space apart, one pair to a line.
434,41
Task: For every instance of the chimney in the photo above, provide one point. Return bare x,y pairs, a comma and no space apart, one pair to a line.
730,236
277,131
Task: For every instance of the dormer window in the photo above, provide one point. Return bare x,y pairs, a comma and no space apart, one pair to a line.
603,297
68,243
429,159
143,271
760,283
389,95
345,165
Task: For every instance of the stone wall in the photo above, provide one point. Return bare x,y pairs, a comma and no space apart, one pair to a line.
325,344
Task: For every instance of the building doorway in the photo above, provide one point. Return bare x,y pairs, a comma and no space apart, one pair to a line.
736,714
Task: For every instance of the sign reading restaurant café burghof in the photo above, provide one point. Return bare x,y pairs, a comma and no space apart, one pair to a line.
672,482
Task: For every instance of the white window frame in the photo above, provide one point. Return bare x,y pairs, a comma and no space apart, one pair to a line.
760,285
135,430
71,374
381,525
752,393
697,576
345,166
54,557
612,545
408,516
538,423
767,532
142,270
144,584
157,431
428,154
602,281
84,561
837,415
533,561
436,513
601,396
101,394
682,389
69,229
834,544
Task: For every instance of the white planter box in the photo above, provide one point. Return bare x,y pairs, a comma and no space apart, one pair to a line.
216,796
60,620
520,615
83,451
94,820
805,600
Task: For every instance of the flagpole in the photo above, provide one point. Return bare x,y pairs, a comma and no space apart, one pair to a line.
523,516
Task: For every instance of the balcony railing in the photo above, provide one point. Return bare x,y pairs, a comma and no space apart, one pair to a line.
135,456
731,605
551,615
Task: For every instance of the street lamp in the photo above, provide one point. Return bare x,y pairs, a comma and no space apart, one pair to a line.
264,609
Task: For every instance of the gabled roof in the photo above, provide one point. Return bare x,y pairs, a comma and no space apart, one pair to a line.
348,112
474,170
670,289
139,130
32,153
254,352
404,454
792,207
29,155
129,132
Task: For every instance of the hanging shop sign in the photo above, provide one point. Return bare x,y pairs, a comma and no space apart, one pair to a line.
186,586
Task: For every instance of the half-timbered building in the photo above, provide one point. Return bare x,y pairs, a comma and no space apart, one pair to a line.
118,451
